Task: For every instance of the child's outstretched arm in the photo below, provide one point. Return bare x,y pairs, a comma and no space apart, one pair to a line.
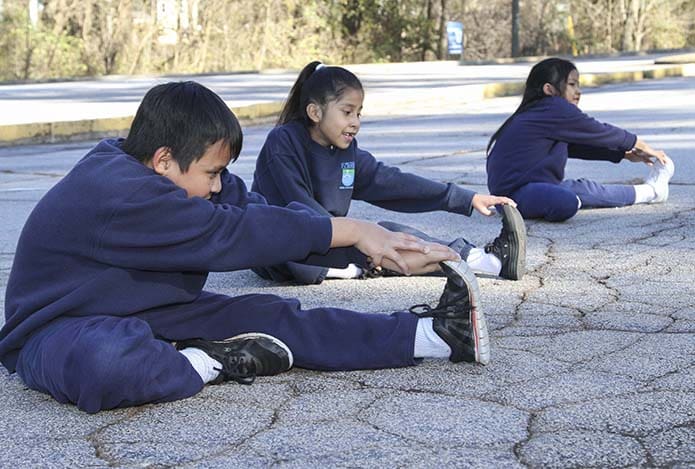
387,247
643,153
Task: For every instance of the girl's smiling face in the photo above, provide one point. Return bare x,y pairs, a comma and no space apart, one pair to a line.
338,121
572,92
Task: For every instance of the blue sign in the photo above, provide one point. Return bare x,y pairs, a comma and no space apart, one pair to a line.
454,35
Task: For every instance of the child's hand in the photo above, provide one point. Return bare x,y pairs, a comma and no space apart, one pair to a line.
643,153
376,242
482,203
419,263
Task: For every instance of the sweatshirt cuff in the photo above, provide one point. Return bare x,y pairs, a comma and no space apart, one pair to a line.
629,141
322,231
460,200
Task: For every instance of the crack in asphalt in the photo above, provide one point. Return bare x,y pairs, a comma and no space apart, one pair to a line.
93,438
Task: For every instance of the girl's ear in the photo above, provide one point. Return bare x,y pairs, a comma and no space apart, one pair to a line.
550,90
314,112
161,160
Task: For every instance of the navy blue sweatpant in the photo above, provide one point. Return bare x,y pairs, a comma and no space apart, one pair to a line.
558,202
313,270
103,362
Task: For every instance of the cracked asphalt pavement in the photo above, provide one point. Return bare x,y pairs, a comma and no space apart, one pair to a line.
593,352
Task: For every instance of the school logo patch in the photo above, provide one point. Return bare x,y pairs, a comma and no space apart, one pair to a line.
348,174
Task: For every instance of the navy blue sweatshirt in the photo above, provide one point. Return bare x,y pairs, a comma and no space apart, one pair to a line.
114,238
536,143
292,167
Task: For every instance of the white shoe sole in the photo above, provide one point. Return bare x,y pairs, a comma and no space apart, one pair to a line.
477,318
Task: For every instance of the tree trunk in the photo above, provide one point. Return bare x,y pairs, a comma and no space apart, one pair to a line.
629,9
442,44
515,28
426,43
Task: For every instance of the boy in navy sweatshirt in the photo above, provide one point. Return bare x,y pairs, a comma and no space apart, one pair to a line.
105,305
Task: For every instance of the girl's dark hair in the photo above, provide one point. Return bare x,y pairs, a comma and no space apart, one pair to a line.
316,86
187,118
554,71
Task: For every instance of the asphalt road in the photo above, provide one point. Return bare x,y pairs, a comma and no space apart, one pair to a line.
593,351
118,96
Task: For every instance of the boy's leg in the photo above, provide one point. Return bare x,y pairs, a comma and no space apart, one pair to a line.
596,195
338,339
551,202
321,338
103,362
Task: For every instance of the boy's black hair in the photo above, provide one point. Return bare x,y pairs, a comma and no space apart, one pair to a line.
185,117
316,86
554,71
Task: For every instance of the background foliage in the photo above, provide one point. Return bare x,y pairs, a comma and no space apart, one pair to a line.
67,38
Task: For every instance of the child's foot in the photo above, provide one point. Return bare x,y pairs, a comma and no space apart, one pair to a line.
510,246
245,356
659,177
457,319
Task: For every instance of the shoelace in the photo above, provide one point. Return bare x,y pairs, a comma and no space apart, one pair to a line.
426,311
236,369
498,246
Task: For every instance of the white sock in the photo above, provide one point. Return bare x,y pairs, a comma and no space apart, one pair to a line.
351,271
428,344
644,193
482,262
206,366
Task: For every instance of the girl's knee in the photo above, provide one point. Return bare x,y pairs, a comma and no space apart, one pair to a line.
563,208
547,202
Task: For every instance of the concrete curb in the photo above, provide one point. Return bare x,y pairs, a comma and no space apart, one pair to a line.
52,132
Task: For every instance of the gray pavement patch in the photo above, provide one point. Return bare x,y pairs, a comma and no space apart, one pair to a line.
649,357
575,449
627,321
673,447
201,427
573,347
563,388
465,422
50,453
633,415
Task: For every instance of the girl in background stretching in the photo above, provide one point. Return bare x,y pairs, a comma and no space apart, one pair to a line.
312,157
528,153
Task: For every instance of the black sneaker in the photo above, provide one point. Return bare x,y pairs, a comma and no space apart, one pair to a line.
245,356
457,318
510,246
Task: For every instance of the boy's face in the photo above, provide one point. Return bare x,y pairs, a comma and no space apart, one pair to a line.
203,176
